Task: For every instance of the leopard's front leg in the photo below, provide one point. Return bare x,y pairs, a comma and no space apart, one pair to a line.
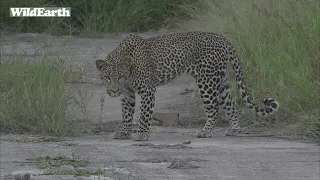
146,113
128,103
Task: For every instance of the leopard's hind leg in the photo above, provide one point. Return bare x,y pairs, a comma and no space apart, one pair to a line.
227,106
208,89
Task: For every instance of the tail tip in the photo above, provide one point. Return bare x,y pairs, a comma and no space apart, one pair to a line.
270,102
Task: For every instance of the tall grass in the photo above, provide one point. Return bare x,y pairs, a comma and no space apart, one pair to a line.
278,43
95,17
34,98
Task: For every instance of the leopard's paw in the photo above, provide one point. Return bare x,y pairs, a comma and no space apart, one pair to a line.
122,135
142,136
232,131
204,134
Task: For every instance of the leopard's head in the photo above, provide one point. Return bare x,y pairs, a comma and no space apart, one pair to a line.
112,72
117,65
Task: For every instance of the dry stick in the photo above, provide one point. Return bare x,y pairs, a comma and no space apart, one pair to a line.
102,100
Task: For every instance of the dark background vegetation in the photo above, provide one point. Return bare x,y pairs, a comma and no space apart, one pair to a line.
97,16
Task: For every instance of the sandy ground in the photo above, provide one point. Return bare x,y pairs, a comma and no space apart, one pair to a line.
164,156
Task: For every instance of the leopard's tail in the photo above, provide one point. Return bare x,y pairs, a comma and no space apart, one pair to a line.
271,104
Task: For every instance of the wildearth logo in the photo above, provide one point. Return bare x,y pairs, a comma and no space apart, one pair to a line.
40,12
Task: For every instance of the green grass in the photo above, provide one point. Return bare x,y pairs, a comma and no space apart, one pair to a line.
34,98
76,172
278,43
48,162
96,17
39,139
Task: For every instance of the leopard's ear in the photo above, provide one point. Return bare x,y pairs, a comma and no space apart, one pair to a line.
100,64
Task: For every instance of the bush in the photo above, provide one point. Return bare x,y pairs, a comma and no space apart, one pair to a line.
94,17
34,98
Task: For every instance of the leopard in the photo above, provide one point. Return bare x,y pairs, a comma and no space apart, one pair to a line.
138,65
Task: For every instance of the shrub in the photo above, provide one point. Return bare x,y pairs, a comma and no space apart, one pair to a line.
34,98
94,17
